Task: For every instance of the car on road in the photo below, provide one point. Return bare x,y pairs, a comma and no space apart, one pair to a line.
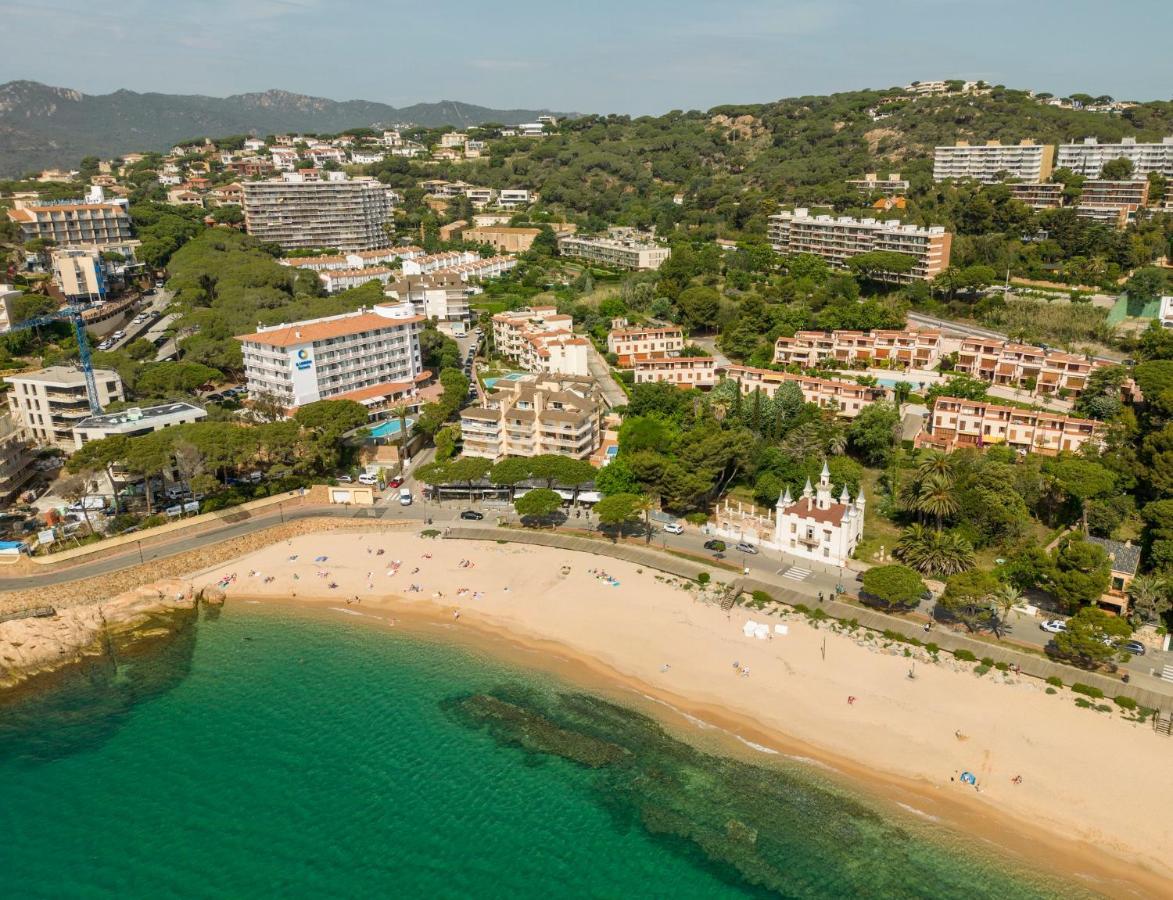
1136,648
1054,626
345,479
368,479
118,335
394,482
674,528
472,514
743,547
715,545
405,497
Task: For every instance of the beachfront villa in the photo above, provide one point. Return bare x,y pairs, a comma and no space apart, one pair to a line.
816,526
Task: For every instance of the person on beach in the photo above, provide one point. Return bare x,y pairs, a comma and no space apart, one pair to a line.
850,701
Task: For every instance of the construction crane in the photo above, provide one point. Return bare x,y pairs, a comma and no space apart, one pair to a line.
73,313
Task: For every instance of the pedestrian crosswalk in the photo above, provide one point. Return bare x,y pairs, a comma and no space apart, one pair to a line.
796,573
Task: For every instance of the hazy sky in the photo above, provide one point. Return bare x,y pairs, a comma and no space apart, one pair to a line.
631,56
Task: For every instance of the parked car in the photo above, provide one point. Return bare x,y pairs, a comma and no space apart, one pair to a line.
674,528
405,497
472,514
368,479
1136,648
743,547
1054,626
715,545
345,479
394,482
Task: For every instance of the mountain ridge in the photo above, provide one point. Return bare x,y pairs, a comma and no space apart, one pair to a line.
44,125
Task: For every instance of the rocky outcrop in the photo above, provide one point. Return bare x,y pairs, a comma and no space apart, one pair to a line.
34,646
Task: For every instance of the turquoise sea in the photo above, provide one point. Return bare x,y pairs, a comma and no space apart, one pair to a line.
294,753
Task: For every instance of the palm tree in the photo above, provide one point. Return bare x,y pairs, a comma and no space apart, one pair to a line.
1150,598
1004,599
934,462
646,504
400,412
933,552
936,497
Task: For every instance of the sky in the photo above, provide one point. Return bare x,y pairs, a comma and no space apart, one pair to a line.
623,56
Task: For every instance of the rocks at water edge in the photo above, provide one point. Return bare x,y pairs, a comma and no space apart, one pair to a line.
29,647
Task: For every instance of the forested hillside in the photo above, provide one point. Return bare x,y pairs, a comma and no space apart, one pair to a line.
735,163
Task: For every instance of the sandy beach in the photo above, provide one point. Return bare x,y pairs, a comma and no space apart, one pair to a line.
1093,796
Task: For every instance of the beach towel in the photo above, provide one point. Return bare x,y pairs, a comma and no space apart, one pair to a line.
781,629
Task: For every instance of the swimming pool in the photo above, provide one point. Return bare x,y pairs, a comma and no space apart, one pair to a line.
389,428
510,376
612,451
916,383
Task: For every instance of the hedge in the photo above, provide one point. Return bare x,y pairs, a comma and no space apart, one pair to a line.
1125,702
1055,680
1087,689
964,655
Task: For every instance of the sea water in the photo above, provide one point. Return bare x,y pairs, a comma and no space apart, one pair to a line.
307,754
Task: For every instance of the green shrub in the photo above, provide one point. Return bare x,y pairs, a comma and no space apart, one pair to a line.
1002,667
1083,704
1051,690
981,670
703,578
430,533
964,655
1055,681
1087,690
802,608
696,518
819,615
988,662
1125,702
761,598
1103,707
932,648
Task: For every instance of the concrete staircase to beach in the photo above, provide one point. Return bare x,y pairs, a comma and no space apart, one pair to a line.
731,594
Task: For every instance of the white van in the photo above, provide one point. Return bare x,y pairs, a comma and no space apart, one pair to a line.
368,479
404,497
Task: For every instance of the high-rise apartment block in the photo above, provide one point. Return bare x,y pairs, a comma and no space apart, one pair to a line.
838,238
347,213
993,161
1088,158
615,252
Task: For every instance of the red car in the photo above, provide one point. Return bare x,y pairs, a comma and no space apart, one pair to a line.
394,482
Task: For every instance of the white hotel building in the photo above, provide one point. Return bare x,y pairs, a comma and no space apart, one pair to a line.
335,358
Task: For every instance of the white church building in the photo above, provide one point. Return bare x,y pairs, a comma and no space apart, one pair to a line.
816,526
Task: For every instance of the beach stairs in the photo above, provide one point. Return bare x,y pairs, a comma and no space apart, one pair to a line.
1163,723
732,592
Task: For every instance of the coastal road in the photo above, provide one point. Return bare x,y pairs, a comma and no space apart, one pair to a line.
803,576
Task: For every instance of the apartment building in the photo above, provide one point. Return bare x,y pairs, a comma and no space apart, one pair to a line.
871,183
336,280
73,223
425,265
916,349
614,253
79,273
334,357
540,339
682,371
1024,366
502,238
1038,196
838,239
845,398
16,458
1112,201
648,341
993,161
1165,313
1088,158
482,269
481,197
347,213
48,403
535,416
136,421
441,296
955,424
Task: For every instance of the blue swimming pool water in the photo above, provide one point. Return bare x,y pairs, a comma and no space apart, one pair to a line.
612,452
892,382
511,376
390,428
